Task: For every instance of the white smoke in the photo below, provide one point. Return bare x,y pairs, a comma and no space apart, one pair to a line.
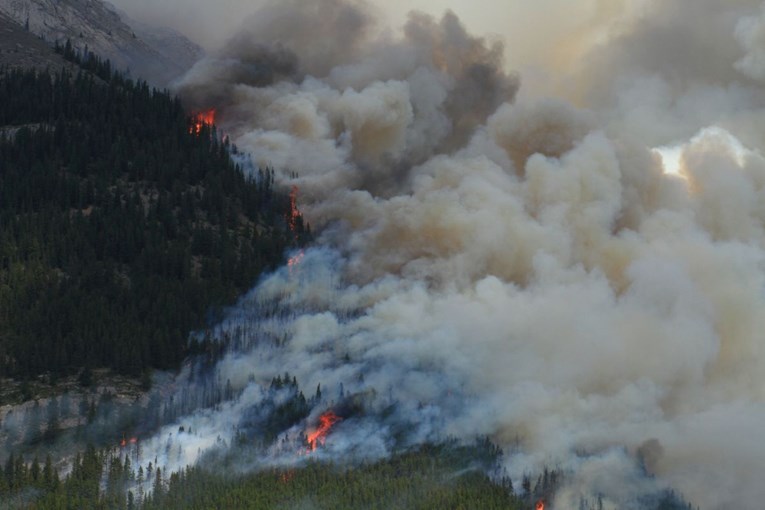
523,269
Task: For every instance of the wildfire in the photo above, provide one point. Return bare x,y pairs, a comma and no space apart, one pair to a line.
540,505
296,259
287,476
124,442
202,119
294,214
319,436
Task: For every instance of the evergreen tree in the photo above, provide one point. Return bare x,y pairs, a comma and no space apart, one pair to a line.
122,227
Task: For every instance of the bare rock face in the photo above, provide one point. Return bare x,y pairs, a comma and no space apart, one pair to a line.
20,48
156,55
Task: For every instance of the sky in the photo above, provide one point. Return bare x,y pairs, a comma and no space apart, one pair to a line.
524,26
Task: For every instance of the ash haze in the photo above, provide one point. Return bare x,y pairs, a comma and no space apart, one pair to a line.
518,22
502,249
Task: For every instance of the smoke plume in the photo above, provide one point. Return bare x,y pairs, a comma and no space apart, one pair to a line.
519,267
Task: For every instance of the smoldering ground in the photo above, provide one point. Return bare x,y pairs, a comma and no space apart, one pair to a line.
503,263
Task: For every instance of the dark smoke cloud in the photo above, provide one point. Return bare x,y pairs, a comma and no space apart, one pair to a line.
282,42
320,73
323,33
251,65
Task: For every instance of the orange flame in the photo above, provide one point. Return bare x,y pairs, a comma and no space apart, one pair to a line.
124,442
319,436
296,259
540,505
202,119
294,213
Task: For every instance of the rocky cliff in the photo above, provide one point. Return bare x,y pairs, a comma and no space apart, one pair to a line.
157,55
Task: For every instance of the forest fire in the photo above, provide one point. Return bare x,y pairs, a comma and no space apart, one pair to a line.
125,442
294,214
326,421
540,505
202,119
295,259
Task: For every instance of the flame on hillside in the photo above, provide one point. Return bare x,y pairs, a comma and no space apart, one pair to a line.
295,260
125,442
202,119
319,435
294,213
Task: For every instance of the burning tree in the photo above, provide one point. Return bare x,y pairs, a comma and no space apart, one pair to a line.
201,120
319,435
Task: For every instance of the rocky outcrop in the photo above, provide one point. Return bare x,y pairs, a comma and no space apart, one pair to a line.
20,48
157,55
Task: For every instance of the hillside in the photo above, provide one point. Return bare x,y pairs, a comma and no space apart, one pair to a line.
21,49
155,55
123,224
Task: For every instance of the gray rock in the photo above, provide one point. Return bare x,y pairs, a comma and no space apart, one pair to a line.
156,55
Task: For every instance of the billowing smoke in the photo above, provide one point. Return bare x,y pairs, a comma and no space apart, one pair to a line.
526,269
356,111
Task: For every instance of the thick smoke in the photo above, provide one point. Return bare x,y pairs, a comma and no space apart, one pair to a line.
357,111
527,269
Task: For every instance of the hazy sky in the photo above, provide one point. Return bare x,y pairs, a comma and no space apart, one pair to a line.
533,36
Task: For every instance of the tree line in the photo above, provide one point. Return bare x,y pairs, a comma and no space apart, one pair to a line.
432,476
122,228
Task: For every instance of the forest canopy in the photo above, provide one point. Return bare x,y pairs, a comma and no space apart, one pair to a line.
123,226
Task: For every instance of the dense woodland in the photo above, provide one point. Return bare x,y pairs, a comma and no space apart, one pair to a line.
445,476
438,477
449,475
123,226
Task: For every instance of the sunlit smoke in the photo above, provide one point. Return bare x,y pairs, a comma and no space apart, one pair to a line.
671,159
672,155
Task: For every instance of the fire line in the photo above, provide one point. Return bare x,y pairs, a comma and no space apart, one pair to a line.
202,119
319,436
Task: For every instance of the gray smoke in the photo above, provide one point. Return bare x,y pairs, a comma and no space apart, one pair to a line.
526,269
360,110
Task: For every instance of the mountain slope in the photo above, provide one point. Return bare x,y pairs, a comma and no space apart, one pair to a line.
154,55
20,48
121,225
